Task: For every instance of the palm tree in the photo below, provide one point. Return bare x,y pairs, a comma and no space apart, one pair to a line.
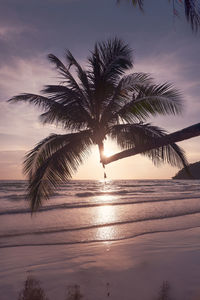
102,101
191,7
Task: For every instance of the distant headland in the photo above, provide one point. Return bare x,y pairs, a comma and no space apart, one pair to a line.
194,170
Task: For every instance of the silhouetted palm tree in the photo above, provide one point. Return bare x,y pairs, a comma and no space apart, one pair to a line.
192,10
99,102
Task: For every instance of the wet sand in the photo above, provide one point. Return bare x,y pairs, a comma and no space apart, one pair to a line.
129,269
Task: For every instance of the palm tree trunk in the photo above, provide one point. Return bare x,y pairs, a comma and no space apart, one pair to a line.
178,136
101,152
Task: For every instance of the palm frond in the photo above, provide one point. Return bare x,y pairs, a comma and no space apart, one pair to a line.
192,13
121,96
107,63
60,92
38,100
139,3
82,75
71,114
137,135
192,10
134,81
52,162
84,93
116,58
109,60
68,77
69,117
151,100
61,107
59,65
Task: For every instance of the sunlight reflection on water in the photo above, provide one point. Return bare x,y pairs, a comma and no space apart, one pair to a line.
105,198
106,214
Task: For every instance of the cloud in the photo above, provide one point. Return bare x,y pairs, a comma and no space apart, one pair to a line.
25,75
7,31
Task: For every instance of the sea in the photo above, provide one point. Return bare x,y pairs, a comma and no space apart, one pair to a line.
89,211
112,239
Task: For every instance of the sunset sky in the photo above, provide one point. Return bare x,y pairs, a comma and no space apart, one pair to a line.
29,30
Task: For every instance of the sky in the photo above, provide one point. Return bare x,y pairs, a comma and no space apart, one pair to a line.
29,30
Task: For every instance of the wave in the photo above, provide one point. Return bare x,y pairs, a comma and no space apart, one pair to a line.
14,197
98,240
22,197
91,194
101,225
12,184
94,204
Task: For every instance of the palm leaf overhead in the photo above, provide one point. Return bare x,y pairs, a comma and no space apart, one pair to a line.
102,100
191,7
192,13
139,3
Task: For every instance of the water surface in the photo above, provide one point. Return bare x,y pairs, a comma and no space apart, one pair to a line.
98,211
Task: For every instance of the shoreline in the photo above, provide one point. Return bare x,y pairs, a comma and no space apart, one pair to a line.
131,238
128,266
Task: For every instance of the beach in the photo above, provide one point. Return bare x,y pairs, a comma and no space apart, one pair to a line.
116,240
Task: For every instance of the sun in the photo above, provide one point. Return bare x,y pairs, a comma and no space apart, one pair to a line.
108,152
109,148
